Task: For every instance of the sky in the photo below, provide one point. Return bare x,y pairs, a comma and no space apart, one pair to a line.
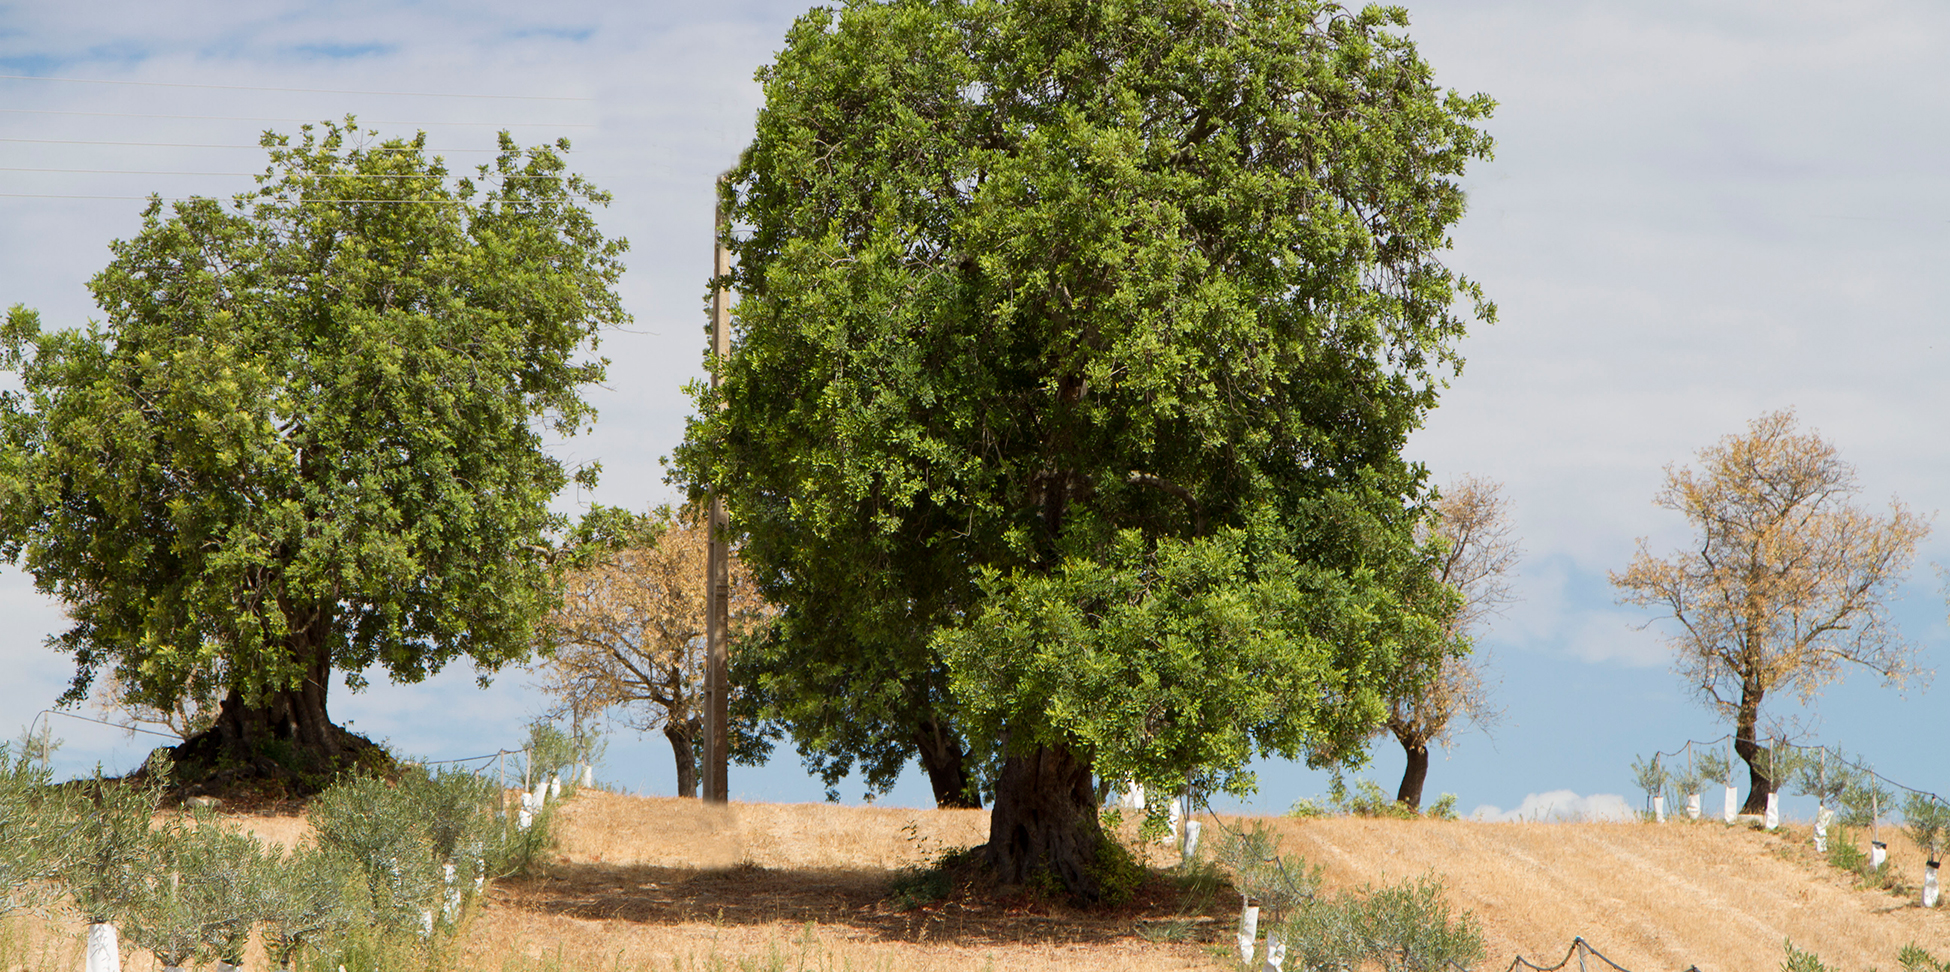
1697,213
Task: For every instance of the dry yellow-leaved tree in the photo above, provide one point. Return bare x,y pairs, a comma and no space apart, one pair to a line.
1787,581
1473,519
628,637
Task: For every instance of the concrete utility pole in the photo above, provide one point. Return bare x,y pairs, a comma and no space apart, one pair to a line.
717,749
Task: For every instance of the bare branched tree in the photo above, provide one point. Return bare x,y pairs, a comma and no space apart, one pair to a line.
1787,584
1480,550
183,710
629,635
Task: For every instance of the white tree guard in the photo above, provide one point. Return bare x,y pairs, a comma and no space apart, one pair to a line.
104,948
1692,806
1177,820
1659,809
1878,852
1929,885
541,793
450,909
1733,803
1189,848
426,922
588,775
554,787
1248,932
223,966
1823,817
523,818
1275,955
1773,818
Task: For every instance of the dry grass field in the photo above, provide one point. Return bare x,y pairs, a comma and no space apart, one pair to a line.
648,883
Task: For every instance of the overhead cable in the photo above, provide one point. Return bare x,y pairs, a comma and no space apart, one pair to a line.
255,87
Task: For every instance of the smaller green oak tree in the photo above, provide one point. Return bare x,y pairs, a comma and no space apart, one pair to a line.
309,435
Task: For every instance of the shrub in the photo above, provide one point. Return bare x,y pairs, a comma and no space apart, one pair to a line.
1926,819
35,822
1368,800
305,899
1914,959
1444,807
1653,778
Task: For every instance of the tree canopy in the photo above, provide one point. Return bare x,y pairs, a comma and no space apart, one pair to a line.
1076,348
309,434
1787,582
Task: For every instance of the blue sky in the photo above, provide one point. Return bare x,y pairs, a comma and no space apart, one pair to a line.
1698,212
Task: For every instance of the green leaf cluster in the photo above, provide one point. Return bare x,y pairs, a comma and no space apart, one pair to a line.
1076,348
312,420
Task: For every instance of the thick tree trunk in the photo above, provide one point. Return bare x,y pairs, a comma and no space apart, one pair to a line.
946,764
685,751
1415,774
1045,821
1746,742
288,736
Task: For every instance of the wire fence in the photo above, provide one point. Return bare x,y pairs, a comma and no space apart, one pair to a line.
1580,950
1828,753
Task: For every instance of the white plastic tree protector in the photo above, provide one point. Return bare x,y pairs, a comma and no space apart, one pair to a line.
1692,806
1659,809
1878,852
1929,885
1733,802
426,923
541,793
1773,818
1190,846
1177,809
451,907
588,775
554,787
1823,816
1248,932
223,966
1275,955
104,948
1134,795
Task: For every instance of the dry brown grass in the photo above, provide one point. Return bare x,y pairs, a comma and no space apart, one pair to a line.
645,883
1651,897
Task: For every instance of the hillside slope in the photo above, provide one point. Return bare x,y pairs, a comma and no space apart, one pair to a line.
648,882
1651,897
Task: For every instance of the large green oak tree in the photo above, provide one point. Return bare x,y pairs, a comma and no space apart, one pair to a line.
309,435
1077,344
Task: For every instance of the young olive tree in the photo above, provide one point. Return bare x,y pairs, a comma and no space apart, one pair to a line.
1787,584
1076,350
308,435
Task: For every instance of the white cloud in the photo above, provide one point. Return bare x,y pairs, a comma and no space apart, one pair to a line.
1558,806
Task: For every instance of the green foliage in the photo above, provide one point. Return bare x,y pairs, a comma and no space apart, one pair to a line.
1400,927
1308,808
201,893
1864,801
1117,872
1370,800
1915,959
1078,345
549,750
36,826
383,832
1444,808
306,900
310,430
1712,766
1407,927
1652,777
108,849
1844,853
1926,819
1800,961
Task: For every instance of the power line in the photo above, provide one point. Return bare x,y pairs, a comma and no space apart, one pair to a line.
215,145
254,87
320,175
254,118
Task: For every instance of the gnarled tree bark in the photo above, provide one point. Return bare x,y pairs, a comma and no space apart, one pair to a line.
1045,821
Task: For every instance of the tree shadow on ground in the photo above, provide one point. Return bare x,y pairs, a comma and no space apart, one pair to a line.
856,899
